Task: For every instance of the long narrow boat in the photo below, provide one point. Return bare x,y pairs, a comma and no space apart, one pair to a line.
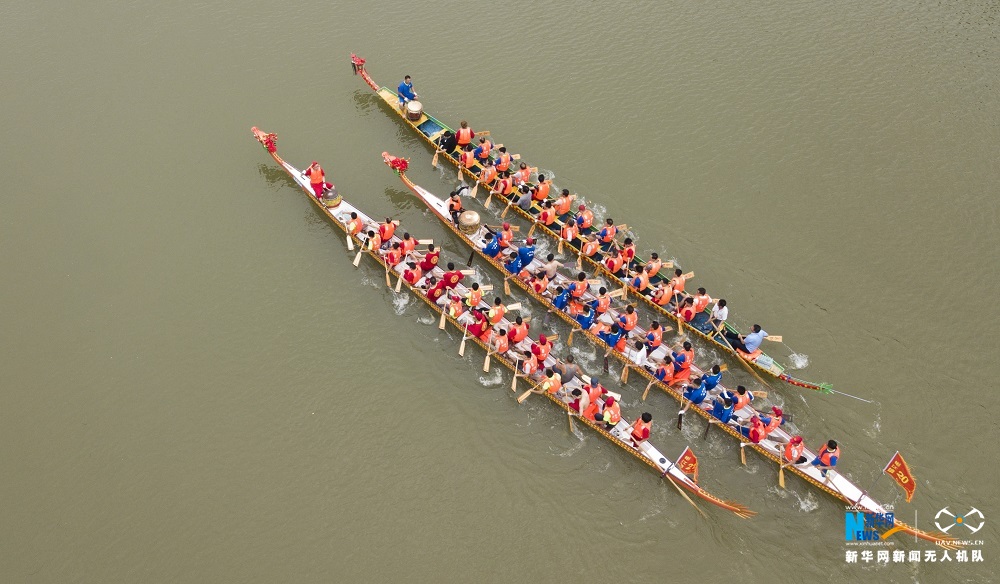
835,484
339,212
431,129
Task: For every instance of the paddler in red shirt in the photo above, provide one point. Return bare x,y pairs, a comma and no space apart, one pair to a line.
452,277
429,260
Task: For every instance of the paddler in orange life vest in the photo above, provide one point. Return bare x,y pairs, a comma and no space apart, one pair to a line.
740,399
615,262
654,338
584,219
452,277
701,301
827,457
482,152
413,274
394,255
522,174
503,160
611,414
456,307
518,331
563,204
641,428
467,158
641,282
687,311
682,362
761,426
373,242
628,251
501,342
663,294
355,224
474,296
498,311
542,188
488,174
464,135
794,449
407,244
654,264
387,230
455,206
607,234
317,179
547,216
429,260
602,302
542,348
591,246
629,320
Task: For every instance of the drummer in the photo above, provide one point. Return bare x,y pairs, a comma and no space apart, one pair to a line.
406,92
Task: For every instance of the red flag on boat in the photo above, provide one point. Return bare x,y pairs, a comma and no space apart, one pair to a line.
900,472
688,463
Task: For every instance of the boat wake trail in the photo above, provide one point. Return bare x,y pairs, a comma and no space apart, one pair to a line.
493,379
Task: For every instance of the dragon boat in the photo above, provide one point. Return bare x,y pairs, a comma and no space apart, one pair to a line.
834,484
432,129
339,212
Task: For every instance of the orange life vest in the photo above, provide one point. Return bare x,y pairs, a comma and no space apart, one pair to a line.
563,204
701,302
592,410
413,276
569,231
505,238
590,248
826,453
588,218
654,266
542,191
487,175
594,392
530,366
354,226
629,252
552,384
455,308
630,321
643,281
609,233
467,159
463,136
603,303
502,344
407,245
688,313
657,338
487,146
547,217
663,296
518,332
473,298
455,205
614,263
522,175
612,413
393,257
794,451
386,230
774,423
540,284
688,362
503,162
741,401
574,308
640,430
666,370
506,186
678,283
579,288
316,175
374,242
543,351
497,313
620,345
757,430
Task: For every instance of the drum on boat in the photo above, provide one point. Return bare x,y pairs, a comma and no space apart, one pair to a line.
330,197
414,109
468,222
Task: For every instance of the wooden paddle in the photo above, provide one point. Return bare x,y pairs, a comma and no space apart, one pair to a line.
646,391
775,338
624,378
513,382
461,348
743,454
434,161
781,473
742,361
616,294
475,189
507,208
357,258
711,421
515,306
506,284
489,347
388,284
350,242
524,396
441,323
399,284
425,241
486,288
467,272
569,416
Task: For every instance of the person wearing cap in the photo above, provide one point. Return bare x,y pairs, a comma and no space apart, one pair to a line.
747,343
526,253
794,449
405,91
317,179
542,348
456,308
641,428
611,414
584,219
827,457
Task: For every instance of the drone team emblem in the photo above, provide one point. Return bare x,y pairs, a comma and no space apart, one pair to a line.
946,520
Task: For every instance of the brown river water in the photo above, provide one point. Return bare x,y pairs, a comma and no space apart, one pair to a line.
198,386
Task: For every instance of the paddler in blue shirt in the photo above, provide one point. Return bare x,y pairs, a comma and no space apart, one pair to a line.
513,264
613,336
526,252
723,409
561,299
493,247
586,318
405,91
712,380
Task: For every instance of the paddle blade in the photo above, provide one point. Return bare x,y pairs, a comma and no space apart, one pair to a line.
569,341
505,209
559,250
668,264
350,243
486,363
579,261
357,259
523,396
688,275
552,338
399,284
624,377
775,338
781,477
434,161
723,367
680,421
388,283
515,306
513,383
461,348
646,391
442,321
616,294
569,416
486,288
743,456
489,198
707,428
425,241
468,272
506,287
475,190
532,230
516,156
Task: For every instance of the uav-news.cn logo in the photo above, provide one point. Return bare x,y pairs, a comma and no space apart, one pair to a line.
945,520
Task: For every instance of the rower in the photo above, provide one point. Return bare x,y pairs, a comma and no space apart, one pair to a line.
771,423
464,135
686,310
628,251
480,324
317,179
518,331
695,392
503,160
452,277
641,282
654,264
456,307
407,244
611,414
373,242
506,236
719,314
722,409
701,301
526,253
754,430
467,158
638,354
662,294
741,398
436,289
405,91
563,204
504,186
614,337
579,288
584,219
522,174
524,199
447,142
542,348
640,429
429,260
542,188
568,370
501,342
602,303
794,449
561,298
547,216
682,362
530,366
747,343
827,457
654,337
629,320
614,262
482,152
712,379
539,285
413,274
488,174
551,383
665,370
474,296
569,231
498,311
513,263
387,230
579,401
678,281
355,224
492,247
586,317
394,255
551,266
607,234
591,246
